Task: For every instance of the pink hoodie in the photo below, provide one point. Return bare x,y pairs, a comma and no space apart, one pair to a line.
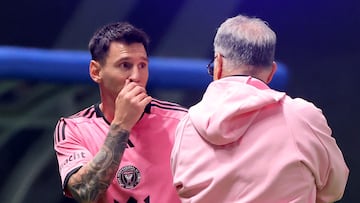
247,143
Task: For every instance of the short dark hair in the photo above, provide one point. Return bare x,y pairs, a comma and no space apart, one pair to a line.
119,32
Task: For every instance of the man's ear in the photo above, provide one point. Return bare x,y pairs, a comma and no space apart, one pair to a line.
218,66
271,73
94,70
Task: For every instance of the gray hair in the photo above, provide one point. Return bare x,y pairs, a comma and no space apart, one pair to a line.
246,41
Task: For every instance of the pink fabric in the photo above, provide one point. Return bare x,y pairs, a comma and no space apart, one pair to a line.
145,167
244,142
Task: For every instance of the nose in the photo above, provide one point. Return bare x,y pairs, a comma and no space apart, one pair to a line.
135,74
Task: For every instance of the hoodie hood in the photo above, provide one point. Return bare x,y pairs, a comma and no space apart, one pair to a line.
229,106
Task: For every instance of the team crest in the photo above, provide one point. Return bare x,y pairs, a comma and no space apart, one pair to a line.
128,177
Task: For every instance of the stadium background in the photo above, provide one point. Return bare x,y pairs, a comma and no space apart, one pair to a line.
317,40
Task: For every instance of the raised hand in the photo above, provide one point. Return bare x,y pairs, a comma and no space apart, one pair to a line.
130,104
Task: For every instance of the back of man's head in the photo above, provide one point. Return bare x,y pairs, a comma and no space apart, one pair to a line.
243,40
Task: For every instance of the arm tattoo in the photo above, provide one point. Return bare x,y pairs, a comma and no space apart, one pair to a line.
97,175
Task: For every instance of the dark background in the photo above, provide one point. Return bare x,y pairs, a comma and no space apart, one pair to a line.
317,40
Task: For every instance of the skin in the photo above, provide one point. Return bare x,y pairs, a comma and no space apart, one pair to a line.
122,80
265,74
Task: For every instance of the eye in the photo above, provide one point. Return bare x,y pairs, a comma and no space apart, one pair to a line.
142,65
125,65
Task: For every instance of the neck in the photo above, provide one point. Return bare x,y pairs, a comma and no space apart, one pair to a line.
107,106
107,111
261,73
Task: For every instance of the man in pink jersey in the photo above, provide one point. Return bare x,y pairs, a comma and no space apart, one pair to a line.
118,151
246,143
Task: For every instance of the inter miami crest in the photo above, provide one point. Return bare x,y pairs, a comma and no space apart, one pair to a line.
128,177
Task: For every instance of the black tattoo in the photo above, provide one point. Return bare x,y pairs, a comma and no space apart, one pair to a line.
95,177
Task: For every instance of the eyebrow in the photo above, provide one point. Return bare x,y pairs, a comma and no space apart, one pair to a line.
130,58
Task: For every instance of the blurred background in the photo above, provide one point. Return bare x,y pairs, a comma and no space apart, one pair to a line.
318,43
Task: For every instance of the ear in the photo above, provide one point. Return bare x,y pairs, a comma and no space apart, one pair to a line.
272,72
94,70
218,66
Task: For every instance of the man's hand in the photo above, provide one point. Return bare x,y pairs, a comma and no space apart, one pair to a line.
130,104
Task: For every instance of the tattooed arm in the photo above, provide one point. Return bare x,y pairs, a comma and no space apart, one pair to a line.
92,180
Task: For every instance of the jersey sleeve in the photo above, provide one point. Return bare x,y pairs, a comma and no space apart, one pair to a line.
69,148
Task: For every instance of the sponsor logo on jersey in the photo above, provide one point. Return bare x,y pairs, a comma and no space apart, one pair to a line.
73,157
128,177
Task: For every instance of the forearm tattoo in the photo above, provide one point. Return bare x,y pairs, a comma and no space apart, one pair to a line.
98,174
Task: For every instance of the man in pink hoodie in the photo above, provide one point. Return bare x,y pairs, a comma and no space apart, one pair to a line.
244,142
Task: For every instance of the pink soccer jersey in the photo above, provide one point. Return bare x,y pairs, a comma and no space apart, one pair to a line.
144,173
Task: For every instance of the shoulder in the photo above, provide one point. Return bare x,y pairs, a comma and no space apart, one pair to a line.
85,113
305,109
82,121
84,116
306,117
168,109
